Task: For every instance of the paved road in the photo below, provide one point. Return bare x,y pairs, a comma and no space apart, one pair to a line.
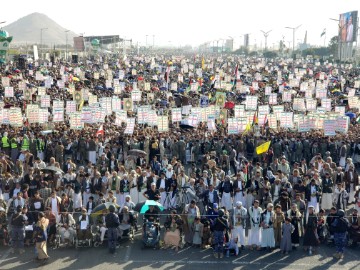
130,256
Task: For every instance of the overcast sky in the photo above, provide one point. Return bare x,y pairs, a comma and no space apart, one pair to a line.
193,22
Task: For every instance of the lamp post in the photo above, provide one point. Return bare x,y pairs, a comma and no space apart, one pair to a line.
66,36
240,41
41,36
340,46
232,43
294,30
266,34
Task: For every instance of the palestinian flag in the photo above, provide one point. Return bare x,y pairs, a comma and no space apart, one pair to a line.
255,119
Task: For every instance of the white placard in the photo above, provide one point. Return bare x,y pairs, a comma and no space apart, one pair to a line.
45,101
286,120
9,91
58,114
70,106
251,103
130,125
176,115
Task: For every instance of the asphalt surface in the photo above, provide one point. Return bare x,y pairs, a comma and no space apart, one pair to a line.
130,256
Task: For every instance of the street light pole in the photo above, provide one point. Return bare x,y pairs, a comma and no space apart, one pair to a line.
66,35
41,36
294,30
232,43
266,34
240,41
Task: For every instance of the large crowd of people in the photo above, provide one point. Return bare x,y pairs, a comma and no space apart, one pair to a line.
216,188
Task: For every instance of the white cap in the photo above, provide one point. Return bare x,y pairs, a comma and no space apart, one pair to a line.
238,204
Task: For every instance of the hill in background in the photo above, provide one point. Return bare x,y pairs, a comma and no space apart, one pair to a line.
27,30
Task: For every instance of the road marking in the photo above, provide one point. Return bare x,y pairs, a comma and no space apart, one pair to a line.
224,262
127,253
6,254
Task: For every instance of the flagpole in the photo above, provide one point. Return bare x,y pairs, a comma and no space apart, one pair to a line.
325,39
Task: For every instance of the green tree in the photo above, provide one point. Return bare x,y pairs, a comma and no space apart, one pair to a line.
253,53
333,46
243,50
270,54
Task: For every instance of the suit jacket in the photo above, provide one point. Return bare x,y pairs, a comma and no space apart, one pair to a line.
141,181
355,179
271,220
301,205
83,186
124,185
205,195
308,192
238,184
179,180
167,184
116,165
93,205
250,185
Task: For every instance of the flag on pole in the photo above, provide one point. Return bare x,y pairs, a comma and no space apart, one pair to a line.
265,120
263,148
255,119
203,63
236,71
100,131
247,128
81,104
323,32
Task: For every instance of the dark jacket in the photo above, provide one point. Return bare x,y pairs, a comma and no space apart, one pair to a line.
205,196
220,224
112,220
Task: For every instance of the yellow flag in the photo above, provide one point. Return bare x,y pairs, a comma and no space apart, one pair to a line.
263,148
203,63
81,105
247,128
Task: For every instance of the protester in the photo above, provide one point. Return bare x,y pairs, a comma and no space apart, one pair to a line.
215,152
112,222
41,237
